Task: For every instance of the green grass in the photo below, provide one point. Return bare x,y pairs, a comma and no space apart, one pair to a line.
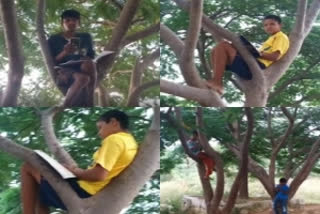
184,180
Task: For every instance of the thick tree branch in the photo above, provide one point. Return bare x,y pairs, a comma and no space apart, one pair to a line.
296,40
127,185
133,99
69,197
141,34
257,170
243,162
204,96
250,87
187,64
300,17
118,33
15,53
214,203
171,39
141,65
306,168
178,125
48,59
57,150
280,143
103,96
311,16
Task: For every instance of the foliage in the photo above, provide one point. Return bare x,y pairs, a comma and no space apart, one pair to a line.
98,18
76,130
245,18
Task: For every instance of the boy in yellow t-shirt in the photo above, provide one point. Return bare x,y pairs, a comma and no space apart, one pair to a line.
225,56
117,151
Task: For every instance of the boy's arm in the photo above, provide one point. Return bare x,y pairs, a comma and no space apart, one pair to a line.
274,56
68,49
98,173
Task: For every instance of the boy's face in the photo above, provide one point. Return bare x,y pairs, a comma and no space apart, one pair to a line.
107,128
70,24
271,26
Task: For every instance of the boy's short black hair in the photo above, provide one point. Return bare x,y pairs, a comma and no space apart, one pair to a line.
195,133
283,180
120,116
70,14
273,17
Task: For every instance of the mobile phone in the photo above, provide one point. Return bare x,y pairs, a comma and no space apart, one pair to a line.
75,41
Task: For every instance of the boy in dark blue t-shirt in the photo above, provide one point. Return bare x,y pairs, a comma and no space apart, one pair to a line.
281,200
76,80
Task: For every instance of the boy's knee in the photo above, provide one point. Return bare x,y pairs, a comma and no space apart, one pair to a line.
88,66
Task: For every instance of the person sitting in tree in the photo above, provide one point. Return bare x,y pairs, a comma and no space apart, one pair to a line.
75,80
196,149
226,57
281,200
117,151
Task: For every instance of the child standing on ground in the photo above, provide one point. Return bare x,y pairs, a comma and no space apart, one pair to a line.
281,200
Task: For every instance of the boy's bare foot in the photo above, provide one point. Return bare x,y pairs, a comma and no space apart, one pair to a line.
215,87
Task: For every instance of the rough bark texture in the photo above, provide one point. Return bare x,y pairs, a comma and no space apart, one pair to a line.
14,51
119,193
117,42
213,197
256,91
122,190
51,139
63,189
118,34
136,88
268,178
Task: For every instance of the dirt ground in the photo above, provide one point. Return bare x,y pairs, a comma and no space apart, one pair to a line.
307,209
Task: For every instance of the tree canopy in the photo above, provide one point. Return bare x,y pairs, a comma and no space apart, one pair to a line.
98,18
298,86
76,128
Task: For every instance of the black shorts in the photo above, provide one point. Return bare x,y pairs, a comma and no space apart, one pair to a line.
50,198
241,68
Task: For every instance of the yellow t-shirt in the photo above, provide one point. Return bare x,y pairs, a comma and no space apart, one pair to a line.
117,151
276,42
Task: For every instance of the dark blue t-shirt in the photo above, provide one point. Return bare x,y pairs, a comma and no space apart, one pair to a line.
283,192
194,146
57,42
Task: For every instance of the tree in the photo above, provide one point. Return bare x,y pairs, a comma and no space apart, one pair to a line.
128,30
212,197
256,91
122,188
284,143
297,171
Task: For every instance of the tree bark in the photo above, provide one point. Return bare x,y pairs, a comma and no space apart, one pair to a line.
136,88
244,189
14,51
118,34
50,138
256,91
121,190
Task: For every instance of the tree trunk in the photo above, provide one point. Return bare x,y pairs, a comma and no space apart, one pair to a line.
244,190
14,51
121,190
